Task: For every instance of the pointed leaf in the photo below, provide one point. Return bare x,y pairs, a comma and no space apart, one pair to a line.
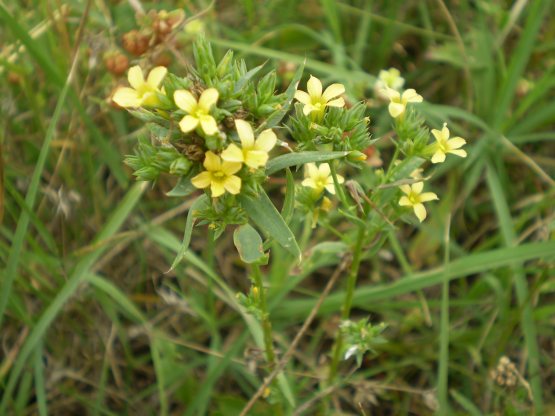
249,244
294,159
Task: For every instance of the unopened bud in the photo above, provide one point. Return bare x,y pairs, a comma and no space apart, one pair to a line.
356,156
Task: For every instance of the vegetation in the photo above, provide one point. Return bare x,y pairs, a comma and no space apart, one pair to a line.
286,228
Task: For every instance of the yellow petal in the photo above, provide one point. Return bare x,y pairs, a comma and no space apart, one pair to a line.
438,135
404,201
246,135
135,77
202,180
232,185
338,102
307,109
156,76
311,170
324,169
445,131
266,141
229,168
392,94
331,188
396,109
302,97
314,87
458,152
438,157
406,189
208,98
188,123
456,143
420,212
340,179
333,91
233,154
410,96
208,125
256,158
212,162
428,196
217,189
309,182
126,97
417,187
185,100
150,99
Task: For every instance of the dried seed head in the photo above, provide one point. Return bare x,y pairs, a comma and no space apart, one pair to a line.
116,63
135,42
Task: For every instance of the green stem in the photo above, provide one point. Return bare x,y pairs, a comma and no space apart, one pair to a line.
339,189
347,302
266,326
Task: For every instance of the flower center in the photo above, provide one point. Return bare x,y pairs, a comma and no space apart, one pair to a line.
199,112
218,175
321,182
414,198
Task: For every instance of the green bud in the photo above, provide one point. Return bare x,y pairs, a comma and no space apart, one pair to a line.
180,166
265,109
224,67
356,156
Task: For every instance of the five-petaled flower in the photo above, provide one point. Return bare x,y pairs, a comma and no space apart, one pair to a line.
320,178
390,78
141,93
445,145
315,101
415,198
253,153
219,176
198,112
398,102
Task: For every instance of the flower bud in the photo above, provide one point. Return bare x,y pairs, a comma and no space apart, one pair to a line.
180,166
356,156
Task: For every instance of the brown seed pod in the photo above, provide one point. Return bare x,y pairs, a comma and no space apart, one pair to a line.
135,42
116,63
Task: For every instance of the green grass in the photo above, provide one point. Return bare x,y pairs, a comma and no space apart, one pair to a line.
92,321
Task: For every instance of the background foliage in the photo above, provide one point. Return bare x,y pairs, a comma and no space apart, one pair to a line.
92,323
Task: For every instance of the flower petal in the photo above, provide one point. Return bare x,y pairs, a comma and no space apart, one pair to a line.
126,97
330,188
338,102
438,135
209,125
311,170
438,157
410,96
212,162
256,158
333,91
233,154
404,201
302,97
456,143
314,87
217,188
445,131
406,189
232,185
458,152
266,140
156,76
396,109
308,108
135,77
246,135
188,123
208,98
229,168
392,94
202,180
340,179
428,196
185,100
420,212
309,182
417,187
324,169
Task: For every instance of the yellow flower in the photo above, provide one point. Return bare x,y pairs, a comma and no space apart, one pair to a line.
219,176
253,153
415,198
319,178
398,103
198,113
390,78
445,145
316,101
142,93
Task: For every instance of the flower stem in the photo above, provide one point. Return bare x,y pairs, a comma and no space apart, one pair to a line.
266,326
347,302
338,188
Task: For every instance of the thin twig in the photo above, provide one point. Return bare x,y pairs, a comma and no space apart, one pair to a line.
283,362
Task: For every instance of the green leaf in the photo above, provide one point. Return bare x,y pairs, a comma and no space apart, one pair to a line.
241,82
184,187
265,215
289,203
249,244
199,203
294,159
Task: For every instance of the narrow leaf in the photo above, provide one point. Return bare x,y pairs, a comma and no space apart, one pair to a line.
249,244
294,159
